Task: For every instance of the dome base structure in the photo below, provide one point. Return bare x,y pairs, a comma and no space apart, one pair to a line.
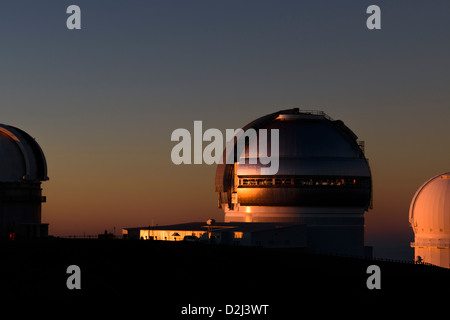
336,231
20,210
434,255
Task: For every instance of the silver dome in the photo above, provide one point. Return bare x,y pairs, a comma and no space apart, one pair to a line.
321,164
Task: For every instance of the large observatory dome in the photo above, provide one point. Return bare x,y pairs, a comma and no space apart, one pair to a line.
321,164
323,179
22,158
429,213
22,168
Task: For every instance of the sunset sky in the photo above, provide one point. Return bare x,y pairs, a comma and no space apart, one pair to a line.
103,101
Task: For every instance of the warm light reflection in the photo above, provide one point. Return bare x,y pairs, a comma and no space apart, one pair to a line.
9,133
250,182
168,235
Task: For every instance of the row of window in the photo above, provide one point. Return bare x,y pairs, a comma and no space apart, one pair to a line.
348,181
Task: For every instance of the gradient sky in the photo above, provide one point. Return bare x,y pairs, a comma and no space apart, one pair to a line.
103,101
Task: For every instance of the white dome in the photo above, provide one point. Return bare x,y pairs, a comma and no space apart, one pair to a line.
429,214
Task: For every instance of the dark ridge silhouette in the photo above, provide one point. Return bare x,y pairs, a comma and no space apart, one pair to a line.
170,275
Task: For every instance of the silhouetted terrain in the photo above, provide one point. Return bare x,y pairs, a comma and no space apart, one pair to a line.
164,276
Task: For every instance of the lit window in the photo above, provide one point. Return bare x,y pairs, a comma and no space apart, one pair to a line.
238,235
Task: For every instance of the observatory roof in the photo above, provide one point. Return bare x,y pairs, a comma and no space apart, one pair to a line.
311,146
21,158
429,213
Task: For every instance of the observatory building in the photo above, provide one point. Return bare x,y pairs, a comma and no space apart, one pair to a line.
22,168
316,200
323,182
429,216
